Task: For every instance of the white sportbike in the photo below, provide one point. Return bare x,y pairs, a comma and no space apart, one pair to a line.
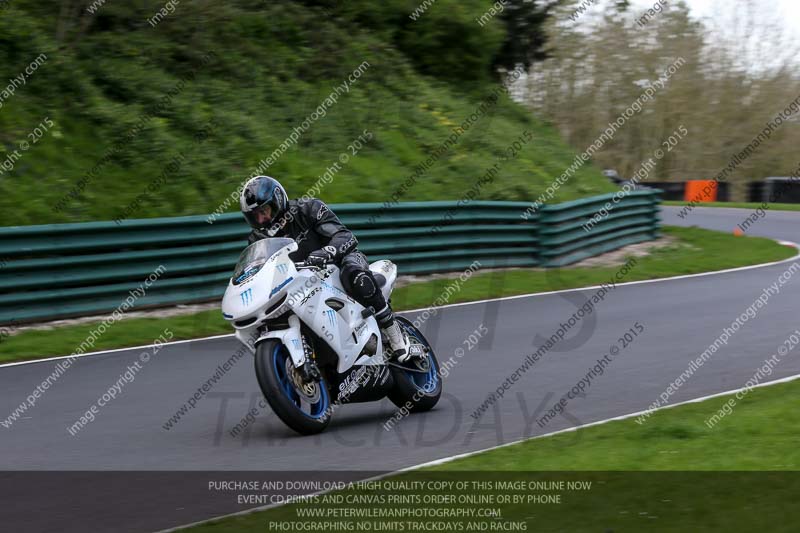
315,347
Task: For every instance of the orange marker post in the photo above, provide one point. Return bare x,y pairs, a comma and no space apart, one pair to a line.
701,191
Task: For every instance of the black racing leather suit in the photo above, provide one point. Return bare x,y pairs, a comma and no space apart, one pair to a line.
314,226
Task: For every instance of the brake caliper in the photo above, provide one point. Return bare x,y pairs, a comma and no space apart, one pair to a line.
309,371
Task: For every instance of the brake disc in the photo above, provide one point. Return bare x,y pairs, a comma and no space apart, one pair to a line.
309,390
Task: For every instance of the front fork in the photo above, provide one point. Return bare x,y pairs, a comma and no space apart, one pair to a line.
300,351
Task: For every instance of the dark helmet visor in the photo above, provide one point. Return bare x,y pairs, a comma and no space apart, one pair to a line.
262,216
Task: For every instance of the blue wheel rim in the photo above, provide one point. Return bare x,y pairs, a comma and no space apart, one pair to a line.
426,382
316,410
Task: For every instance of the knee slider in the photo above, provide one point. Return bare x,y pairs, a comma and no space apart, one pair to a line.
364,285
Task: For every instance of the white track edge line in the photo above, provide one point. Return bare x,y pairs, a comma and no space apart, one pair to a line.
516,297
628,416
131,348
505,445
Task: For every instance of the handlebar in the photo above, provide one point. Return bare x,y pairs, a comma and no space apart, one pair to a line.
303,264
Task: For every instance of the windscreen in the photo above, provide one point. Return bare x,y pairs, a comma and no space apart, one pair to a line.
254,256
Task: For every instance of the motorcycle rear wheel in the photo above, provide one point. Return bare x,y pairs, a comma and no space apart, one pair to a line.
417,389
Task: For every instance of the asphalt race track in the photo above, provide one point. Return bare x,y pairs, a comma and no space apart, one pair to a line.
681,318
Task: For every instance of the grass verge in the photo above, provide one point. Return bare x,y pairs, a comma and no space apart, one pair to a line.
693,251
671,473
758,435
741,205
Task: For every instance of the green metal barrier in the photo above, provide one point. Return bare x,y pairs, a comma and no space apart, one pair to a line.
572,231
65,270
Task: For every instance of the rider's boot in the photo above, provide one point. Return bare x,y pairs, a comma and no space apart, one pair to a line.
394,334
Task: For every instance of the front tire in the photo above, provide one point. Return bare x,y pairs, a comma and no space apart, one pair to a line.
305,408
417,389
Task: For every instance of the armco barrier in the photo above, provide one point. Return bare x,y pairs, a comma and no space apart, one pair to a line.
65,270
573,231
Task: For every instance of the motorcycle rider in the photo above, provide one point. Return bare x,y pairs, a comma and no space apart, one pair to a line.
321,239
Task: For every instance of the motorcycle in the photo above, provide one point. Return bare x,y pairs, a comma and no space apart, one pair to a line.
315,347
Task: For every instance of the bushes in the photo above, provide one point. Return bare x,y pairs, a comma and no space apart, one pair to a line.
274,63
444,41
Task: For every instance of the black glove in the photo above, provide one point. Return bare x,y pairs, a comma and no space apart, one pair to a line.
321,257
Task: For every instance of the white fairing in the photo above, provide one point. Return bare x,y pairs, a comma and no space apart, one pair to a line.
316,298
388,270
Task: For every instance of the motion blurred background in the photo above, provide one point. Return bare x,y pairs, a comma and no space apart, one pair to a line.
128,97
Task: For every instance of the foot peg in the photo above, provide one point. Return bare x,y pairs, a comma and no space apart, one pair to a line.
416,350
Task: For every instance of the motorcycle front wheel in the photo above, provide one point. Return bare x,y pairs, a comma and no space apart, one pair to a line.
304,407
